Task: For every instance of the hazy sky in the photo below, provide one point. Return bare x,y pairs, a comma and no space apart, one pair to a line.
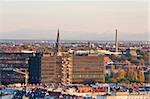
77,20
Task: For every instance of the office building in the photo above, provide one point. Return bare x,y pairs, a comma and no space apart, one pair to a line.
79,69
11,62
50,69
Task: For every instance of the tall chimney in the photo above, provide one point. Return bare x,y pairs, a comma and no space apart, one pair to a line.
116,41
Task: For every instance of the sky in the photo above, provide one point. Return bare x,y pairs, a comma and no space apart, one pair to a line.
76,20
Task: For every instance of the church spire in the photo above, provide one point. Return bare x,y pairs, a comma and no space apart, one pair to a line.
58,48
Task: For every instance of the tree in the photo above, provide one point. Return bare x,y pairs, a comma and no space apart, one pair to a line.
141,77
131,72
121,74
113,80
112,70
134,75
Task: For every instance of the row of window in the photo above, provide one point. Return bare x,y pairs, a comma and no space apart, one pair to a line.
87,72
87,64
47,73
87,76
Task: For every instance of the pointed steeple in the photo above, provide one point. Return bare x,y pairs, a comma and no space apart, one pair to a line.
58,48
58,38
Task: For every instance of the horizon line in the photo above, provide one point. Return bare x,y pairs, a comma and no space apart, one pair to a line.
72,40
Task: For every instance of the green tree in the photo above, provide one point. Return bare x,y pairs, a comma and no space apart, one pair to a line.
141,77
121,74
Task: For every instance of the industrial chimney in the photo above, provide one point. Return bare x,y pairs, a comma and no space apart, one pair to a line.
116,41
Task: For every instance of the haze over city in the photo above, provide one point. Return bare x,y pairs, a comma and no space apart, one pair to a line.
85,20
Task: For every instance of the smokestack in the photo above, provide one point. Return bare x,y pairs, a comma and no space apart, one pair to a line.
116,41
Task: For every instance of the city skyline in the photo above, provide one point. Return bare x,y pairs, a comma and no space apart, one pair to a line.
90,20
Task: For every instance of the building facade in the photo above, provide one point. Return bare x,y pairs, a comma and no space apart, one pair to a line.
51,69
79,69
35,68
10,62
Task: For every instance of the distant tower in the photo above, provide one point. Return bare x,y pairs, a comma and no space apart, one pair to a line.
58,48
116,41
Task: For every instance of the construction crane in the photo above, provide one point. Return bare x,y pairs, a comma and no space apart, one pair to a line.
25,72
